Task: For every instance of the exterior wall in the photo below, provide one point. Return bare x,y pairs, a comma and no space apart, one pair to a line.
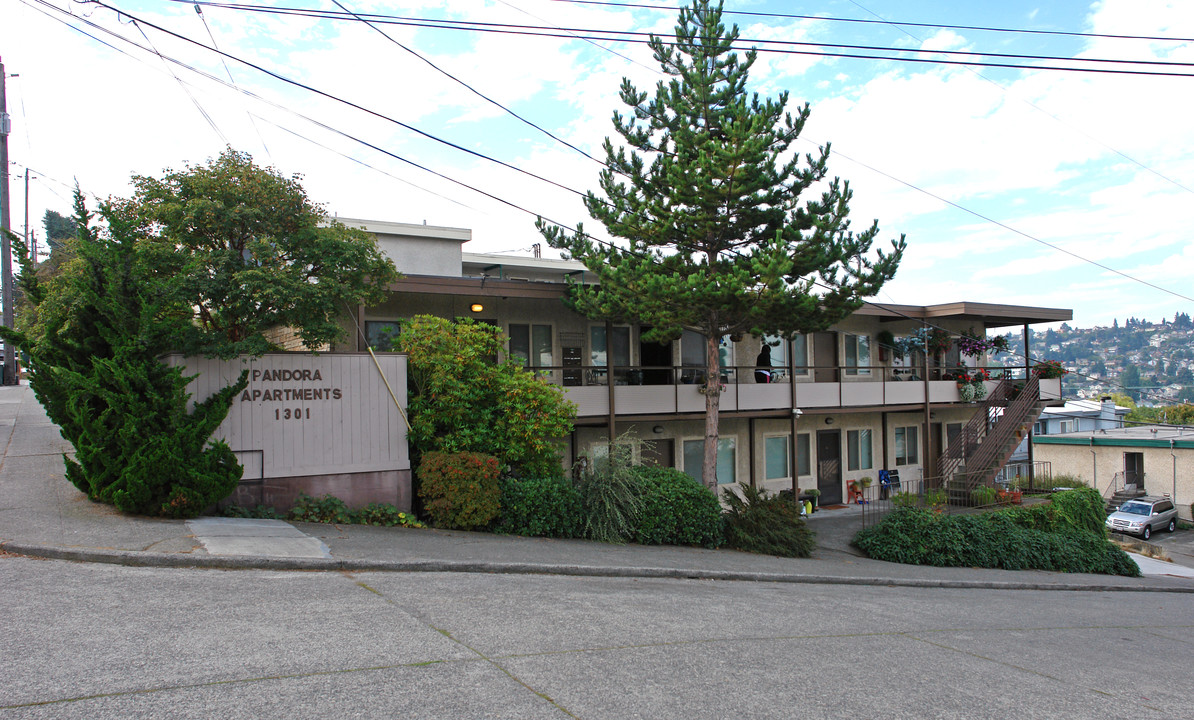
417,249
1160,475
313,423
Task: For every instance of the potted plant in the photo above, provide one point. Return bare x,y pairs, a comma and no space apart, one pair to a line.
814,497
1049,370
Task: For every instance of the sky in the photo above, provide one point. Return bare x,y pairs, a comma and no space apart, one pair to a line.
1029,186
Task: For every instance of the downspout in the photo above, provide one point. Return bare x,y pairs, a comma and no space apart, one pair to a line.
1174,456
1094,465
795,468
1027,370
609,381
927,472
750,424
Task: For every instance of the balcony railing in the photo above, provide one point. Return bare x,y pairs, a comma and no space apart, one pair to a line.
650,389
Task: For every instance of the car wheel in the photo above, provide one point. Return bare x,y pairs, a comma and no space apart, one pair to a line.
1172,525
1148,532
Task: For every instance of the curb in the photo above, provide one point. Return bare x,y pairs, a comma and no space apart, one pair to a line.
133,558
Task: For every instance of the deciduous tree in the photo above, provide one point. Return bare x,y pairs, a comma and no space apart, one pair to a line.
249,252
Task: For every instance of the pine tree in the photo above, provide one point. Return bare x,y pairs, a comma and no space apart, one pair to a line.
707,202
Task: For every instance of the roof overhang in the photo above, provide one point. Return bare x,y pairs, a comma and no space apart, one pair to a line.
991,315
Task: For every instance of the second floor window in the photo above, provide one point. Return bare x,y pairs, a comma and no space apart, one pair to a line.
603,349
531,344
858,355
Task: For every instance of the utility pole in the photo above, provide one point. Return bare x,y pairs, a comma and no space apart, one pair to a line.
10,355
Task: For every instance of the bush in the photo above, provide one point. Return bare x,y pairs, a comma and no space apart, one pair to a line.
768,524
326,509
1040,537
384,515
1078,509
983,496
547,507
460,491
1067,481
676,510
610,498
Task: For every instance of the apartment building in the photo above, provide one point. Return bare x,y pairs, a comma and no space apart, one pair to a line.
828,408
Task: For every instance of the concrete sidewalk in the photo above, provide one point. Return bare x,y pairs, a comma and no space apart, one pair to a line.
42,515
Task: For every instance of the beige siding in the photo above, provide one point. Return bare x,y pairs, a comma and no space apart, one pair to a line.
304,414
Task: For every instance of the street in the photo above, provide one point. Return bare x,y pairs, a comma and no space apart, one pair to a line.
108,641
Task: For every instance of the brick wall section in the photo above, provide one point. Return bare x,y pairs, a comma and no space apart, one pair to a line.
288,340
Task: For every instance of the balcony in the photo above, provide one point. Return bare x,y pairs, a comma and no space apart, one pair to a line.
671,390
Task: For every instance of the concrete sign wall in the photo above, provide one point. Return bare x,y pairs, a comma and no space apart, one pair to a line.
309,423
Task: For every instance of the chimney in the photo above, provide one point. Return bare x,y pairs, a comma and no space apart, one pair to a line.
1107,417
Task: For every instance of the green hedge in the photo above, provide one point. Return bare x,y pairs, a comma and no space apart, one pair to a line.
1056,536
539,507
675,510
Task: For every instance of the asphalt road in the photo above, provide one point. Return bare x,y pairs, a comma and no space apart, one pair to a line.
108,641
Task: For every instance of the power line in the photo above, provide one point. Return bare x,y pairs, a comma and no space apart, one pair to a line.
199,12
827,18
462,83
760,45
336,98
254,96
610,244
1009,228
1044,112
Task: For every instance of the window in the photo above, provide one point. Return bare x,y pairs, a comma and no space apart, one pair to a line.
692,356
907,445
858,450
804,464
800,354
775,453
531,344
779,350
694,460
1038,428
952,431
600,352
382,335
1065,426
858,355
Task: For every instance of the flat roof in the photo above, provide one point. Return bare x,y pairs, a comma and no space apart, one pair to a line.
1159,436
992,315
431,232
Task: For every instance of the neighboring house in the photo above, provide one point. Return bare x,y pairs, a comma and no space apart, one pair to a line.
1074,416
1158,460
852,407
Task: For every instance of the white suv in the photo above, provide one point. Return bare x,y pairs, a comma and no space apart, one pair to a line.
1142,516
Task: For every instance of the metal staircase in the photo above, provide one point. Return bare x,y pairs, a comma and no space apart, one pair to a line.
984,445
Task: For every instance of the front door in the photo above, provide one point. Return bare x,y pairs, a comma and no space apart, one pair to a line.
829,466
658,453
825,357
1134,469
656,361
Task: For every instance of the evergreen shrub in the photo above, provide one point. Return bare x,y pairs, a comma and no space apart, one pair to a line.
539,507
676,510
768,524
1038,537
460,490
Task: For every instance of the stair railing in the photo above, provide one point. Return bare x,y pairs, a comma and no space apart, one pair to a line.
986,455
973,432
